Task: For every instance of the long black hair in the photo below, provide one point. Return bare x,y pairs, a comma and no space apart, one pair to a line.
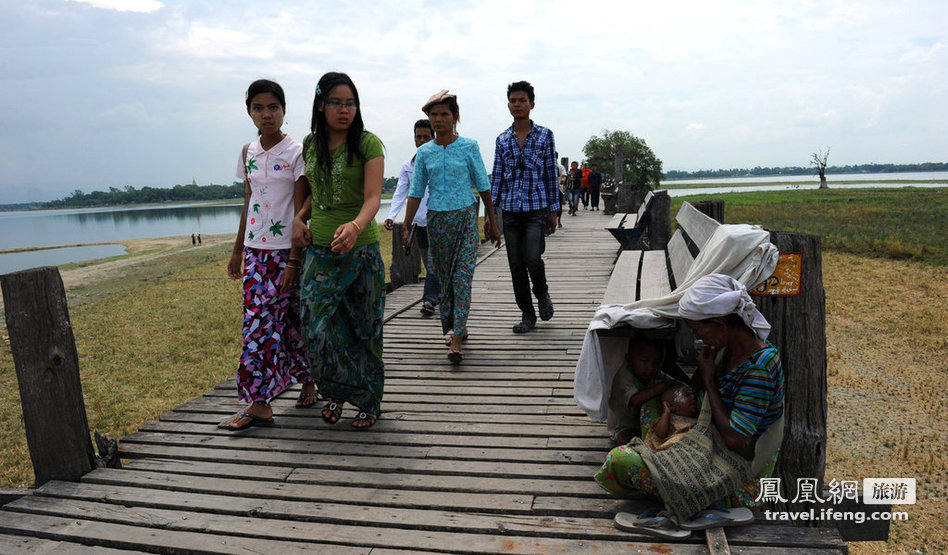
319,126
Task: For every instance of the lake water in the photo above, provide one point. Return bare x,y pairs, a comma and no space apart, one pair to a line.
38,228
42,228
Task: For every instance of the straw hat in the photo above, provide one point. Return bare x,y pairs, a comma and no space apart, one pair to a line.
437,98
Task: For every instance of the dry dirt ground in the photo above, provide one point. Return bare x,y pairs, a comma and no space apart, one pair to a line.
887,346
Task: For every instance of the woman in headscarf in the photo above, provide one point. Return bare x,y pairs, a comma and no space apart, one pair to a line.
449,167
743,385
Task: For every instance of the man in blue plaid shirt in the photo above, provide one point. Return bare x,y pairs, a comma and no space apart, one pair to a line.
524,185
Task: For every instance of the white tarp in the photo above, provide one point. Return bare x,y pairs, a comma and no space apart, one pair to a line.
741,251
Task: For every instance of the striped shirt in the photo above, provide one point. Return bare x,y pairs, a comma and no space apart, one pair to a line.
753,392
525,180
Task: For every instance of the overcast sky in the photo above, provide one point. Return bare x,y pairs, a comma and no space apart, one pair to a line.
109,93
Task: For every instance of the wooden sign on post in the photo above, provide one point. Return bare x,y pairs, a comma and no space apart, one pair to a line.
787,277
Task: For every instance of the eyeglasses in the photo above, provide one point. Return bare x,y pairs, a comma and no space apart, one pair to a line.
336,105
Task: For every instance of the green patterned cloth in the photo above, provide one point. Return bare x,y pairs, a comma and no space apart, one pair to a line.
343,305
700,469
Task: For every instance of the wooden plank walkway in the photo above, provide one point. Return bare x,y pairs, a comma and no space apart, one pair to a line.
490,456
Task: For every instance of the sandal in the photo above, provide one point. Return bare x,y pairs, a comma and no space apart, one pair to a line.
254,421
545,307
363,420
716,516
651,522
303,401
332,411
524,326
427,310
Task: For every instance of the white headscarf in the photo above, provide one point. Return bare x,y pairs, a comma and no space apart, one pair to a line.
717,295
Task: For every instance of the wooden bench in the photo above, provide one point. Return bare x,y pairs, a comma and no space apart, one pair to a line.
628,228
648,274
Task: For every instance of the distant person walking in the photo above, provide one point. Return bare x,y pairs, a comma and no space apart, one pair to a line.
432,291
343,281
524,184
584,192
447,169
595,186
561,182
574,183
273,356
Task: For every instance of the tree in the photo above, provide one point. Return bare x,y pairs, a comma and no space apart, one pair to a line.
633,161
818,159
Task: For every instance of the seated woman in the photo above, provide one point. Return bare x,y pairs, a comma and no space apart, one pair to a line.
742,383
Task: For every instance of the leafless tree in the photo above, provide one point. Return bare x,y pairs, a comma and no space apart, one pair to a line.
818,159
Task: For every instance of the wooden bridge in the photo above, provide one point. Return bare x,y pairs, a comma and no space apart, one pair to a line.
490,456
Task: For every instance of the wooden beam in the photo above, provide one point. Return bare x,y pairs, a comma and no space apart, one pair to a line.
47,369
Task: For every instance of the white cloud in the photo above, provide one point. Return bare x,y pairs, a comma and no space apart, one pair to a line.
140,6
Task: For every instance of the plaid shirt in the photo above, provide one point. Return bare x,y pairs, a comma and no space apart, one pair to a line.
525,180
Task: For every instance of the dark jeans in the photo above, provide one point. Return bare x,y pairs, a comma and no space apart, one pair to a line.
584,196
594,193
572,196
432,291
525,238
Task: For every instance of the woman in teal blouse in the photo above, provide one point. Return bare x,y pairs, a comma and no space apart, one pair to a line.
449,167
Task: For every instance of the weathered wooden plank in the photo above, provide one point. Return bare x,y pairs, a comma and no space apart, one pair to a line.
621,288
653,277
399,439
79,529
336,511
394,464
352,493
220,405
717,541
25,545
47,371
305,446
698,226
679,257
616,221
240,530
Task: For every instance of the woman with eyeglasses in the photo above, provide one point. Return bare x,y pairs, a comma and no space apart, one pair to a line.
343,281
449,167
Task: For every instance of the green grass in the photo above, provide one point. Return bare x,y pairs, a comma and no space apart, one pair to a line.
902,224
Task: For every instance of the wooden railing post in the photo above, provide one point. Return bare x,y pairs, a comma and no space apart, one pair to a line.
405,268
713,208
47,369
660,221
799,332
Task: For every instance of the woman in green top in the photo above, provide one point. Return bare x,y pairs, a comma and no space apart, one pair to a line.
343,278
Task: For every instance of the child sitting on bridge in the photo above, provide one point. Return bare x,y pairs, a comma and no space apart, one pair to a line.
637,383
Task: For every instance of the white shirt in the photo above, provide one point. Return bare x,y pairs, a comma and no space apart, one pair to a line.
401,193
272,175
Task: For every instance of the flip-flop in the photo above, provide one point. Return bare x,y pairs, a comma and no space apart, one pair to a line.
716,516
300,401
655,525
545,308
254,421
524,326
